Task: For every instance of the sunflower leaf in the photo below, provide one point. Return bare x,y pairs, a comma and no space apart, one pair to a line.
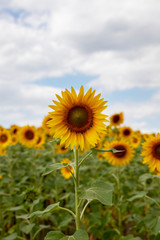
56,166
78,235
49,209
101,191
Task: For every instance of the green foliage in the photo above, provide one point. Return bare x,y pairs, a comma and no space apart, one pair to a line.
125,207
101,191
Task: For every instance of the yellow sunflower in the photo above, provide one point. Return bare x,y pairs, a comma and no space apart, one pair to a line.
40,139
151,153
135,140
14,139
116,119
28,136
77,119
45,125
14,129
61,149
64,171
126,132
5,138
119,158
3,151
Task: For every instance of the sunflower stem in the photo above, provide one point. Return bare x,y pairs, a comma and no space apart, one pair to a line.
77,208
83,159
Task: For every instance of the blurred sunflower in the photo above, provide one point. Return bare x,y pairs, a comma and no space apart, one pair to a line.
126,132
116,119
151,153
135,140
28,136
45,125
3,151
64,171
5,138
77,119
61,149
14,139
14,129
40,139
119,158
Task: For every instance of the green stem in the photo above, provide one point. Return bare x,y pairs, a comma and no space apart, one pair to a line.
83,159
69,211
153,201
85,206
77,208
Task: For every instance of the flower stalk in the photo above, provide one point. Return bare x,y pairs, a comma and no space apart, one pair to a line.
77,207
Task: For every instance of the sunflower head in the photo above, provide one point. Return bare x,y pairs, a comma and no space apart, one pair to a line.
14,129
66,173
122,157
5,138
151,153
61,149
28,136
126,132
77,119
45,124
116,119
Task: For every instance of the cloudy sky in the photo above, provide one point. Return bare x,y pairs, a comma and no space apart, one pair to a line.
110,45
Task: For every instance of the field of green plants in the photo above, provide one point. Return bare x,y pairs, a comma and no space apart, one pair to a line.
129,209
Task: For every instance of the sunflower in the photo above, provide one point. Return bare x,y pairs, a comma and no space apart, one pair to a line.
119,158
126,132
45,125
61,149
14,129
77,119
151,153
28,136
116,119
3,151
40,139
135,140
64,171
14,140
5,138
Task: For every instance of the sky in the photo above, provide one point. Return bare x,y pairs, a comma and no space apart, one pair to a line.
110,45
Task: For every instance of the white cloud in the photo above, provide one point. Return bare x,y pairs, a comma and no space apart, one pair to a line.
117,41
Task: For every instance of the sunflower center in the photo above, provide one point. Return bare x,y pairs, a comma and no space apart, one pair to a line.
79,118
126,132
15,131
39,140
29,135
135,140
116,118
157,151
120,154
3,138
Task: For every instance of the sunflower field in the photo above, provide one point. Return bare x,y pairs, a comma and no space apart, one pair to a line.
80,176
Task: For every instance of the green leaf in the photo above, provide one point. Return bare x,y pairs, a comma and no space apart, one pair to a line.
55,167
11,237
54,235
113,150
145,177
50,208
101,191
78,235
130,237
16,208
27,228
139,195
